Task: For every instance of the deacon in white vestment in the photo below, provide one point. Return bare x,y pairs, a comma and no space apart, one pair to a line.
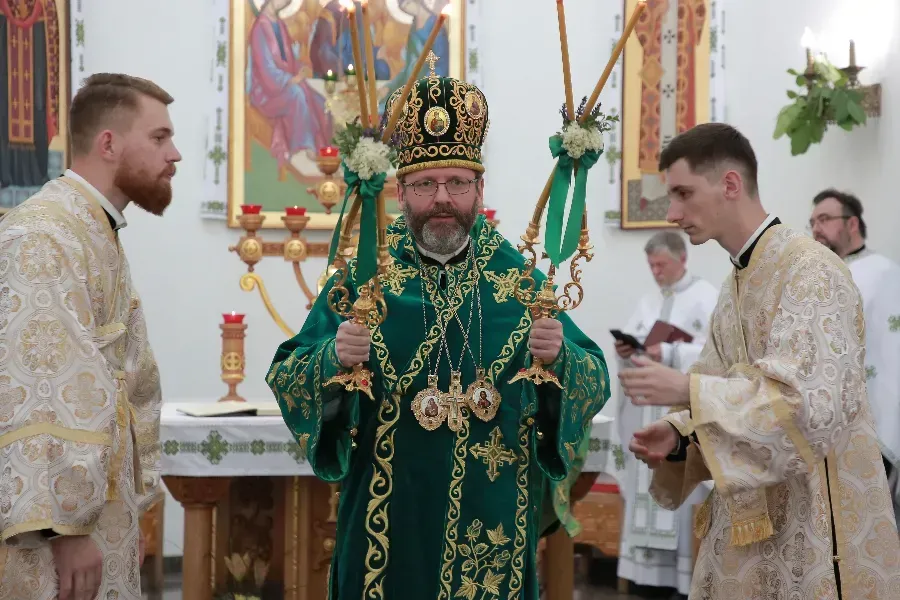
656,545
774,411
837,223
80,391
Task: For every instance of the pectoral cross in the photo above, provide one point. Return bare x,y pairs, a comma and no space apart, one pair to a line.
431,59
454,400
494,455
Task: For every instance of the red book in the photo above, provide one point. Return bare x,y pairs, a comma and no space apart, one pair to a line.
667,333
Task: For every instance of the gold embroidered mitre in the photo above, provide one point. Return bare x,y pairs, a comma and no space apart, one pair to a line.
443,124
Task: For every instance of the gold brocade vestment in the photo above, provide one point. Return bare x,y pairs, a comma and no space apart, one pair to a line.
79,395
778,403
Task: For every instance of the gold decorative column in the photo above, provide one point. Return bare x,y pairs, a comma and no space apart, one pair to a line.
233,333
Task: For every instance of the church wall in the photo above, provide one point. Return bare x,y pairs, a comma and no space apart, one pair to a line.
188,278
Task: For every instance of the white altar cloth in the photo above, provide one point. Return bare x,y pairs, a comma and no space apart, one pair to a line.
236,446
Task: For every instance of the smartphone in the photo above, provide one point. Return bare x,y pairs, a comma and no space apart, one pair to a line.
627,339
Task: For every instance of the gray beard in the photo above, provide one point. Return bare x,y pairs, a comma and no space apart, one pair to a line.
438,238
442,239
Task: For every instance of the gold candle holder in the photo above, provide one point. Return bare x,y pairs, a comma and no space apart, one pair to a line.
251,249
369,309
544,302
233,333
329,191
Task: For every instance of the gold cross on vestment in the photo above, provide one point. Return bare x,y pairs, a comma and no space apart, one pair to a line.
431,59
454,399
494,454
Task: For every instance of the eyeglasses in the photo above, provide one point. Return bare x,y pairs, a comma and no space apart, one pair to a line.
824,220
428,188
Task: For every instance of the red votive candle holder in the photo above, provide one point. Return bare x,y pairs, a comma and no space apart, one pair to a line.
295,211
489,213
328,151
233,318
251,209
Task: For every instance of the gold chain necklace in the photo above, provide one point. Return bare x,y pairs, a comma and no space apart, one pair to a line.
431,406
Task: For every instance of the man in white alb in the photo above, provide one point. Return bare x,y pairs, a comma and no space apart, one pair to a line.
837,223
656,544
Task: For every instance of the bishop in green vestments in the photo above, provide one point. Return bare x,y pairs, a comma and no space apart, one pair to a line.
443,475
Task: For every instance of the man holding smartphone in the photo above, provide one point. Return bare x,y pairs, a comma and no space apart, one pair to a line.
656,544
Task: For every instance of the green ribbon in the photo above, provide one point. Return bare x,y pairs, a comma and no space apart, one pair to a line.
560,247
367,250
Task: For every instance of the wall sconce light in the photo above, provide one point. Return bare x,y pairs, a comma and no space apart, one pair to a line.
871,93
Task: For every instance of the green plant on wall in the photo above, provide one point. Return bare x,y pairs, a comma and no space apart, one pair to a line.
825,96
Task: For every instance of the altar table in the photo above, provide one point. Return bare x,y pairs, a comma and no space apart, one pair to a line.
246,487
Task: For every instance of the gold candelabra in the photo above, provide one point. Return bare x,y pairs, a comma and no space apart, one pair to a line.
369,309
545,303
294,249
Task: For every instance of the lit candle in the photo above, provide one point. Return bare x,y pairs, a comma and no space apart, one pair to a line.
357,59
233,318
370,62
564,47
251,209
330,76
328,151
295,211
616,53
808,40
414,75
350,71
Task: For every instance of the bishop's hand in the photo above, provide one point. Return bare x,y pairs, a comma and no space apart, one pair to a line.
653,384
546,339
654,443
352,344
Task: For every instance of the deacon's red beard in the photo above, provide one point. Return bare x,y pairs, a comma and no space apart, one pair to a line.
152,193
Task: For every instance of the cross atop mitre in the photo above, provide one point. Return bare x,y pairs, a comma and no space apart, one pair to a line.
431,59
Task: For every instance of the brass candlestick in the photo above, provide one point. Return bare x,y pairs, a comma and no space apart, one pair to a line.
293,249
368,310
544,303
329,191
233,334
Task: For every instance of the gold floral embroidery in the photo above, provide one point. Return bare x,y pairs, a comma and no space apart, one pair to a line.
882,544
40,258
115,522
85,395
478,570
521,539
74,486
509,349
44,345
10,398
504,285
9,303
395,279
394,238
78,304
10,487
799,555
453,510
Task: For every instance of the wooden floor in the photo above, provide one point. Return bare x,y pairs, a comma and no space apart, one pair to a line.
596,580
